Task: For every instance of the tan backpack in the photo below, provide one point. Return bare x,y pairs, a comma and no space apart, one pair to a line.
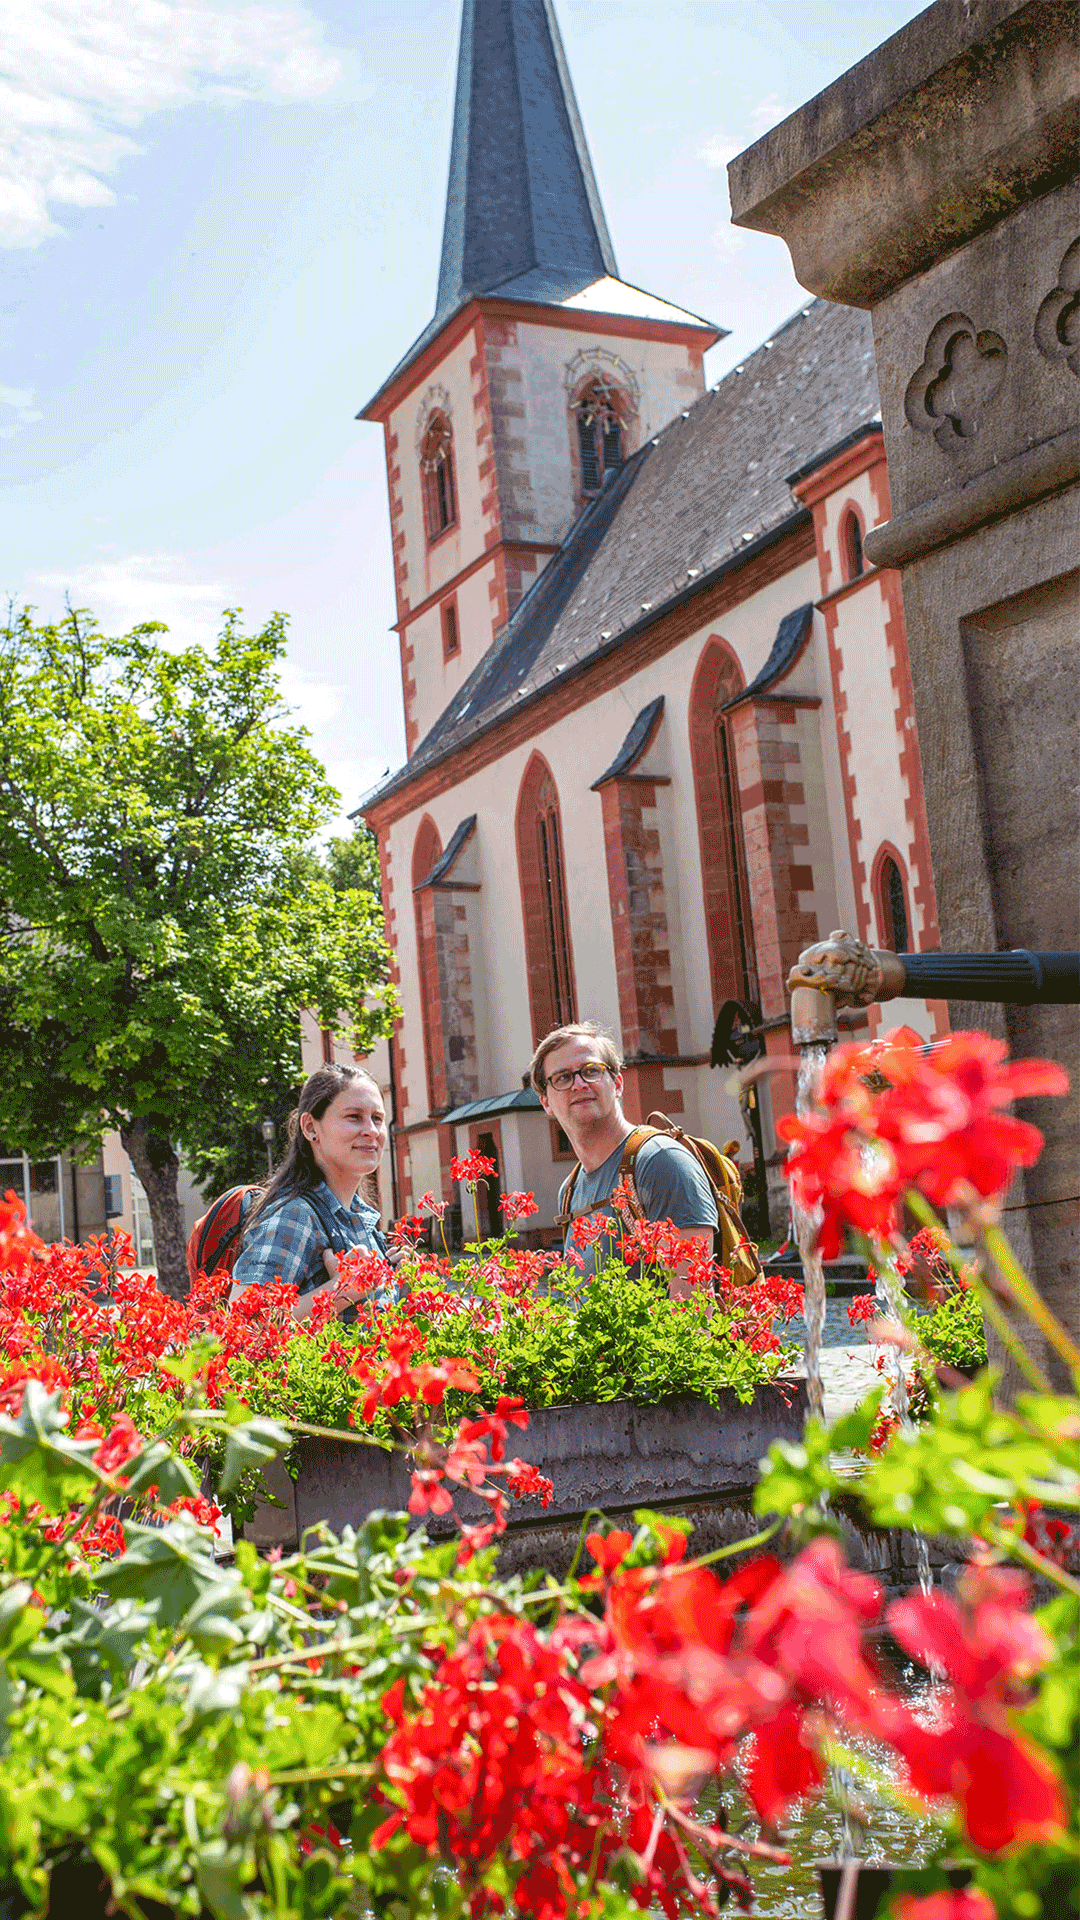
733,1248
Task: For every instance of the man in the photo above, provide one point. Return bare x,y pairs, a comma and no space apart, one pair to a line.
577,1072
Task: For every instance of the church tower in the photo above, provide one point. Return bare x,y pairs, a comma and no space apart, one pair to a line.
540,371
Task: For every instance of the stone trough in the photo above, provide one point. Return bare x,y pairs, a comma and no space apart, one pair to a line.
683,1457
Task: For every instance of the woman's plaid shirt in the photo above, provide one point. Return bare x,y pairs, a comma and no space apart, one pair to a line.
287,1243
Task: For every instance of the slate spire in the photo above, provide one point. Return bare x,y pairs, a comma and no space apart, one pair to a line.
523,213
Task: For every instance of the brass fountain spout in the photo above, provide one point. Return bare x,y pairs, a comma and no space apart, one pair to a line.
842,972
838,972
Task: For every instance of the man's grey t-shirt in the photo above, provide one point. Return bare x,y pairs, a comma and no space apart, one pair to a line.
670,1185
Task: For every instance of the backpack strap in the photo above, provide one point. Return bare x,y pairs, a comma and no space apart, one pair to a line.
734,1246
335,1239
631,1144
564,1218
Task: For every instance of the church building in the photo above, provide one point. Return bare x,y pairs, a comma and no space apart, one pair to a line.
658,707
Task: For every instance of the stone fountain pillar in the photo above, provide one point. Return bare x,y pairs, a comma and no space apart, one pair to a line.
935,185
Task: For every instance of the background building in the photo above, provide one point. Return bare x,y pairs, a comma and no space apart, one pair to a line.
658,706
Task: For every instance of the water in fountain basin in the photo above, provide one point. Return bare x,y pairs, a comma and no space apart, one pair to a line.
889,1295
807,1223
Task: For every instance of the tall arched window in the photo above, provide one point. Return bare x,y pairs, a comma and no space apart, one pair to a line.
851,547
728,923
437,475
549,955
599,412
426,850
890,895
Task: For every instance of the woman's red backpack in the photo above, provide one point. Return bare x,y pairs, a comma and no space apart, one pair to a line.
214,1240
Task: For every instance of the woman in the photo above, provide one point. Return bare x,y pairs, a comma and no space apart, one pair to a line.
311,1207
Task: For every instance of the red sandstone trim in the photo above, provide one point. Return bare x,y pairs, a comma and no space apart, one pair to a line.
508,547
577,320
860,457
600,676
887,851
847,777
427,848
719,662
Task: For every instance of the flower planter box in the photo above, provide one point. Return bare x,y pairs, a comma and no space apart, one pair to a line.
684,1457
78,1890
873,1880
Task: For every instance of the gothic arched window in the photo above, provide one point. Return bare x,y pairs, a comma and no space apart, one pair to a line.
728,922
437,475
426,850
891,902
549,957
851,546
598,411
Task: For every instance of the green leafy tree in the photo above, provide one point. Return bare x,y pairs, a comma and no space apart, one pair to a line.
235,1151
160,927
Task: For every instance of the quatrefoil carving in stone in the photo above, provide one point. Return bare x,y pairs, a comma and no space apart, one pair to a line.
1057,323
961,373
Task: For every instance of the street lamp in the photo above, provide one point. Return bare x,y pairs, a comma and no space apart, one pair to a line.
269,1134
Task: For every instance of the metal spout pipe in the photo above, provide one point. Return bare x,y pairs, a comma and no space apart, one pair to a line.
813,1017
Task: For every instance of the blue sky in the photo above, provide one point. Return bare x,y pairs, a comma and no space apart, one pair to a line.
219,229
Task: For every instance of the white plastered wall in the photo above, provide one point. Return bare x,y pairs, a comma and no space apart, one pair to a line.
578,748
877,730
660,375
438,679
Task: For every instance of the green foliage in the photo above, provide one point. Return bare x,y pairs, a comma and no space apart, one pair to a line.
232,1151
952,1331
178,1735
612,1336
958,1473
161,932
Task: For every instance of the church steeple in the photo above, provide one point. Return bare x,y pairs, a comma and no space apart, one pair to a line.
524,221
523,212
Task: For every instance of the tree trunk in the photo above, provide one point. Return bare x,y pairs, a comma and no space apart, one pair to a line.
157,1164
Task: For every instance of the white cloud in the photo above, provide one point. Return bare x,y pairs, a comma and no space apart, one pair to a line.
21,401
121,590
768,113
717,150
77,77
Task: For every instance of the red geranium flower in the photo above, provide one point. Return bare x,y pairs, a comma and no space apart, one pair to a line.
473,1167
988,1646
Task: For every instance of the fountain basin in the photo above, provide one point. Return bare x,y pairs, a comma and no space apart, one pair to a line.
873,1880
681,1457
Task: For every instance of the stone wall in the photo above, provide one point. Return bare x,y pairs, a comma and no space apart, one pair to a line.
935,185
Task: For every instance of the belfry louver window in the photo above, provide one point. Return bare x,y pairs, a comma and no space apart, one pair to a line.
437,475
600,434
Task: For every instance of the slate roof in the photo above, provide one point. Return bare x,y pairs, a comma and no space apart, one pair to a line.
519,1100
696,502
634,745
523,212
791,637
450,853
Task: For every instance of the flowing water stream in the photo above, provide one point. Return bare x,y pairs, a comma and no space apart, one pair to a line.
807,1222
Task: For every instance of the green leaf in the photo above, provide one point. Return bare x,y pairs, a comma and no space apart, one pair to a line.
38,1459
251,1445
852,1432
168,1568
158,1465
100,1642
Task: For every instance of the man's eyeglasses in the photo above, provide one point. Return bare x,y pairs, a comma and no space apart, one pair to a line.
589,1074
